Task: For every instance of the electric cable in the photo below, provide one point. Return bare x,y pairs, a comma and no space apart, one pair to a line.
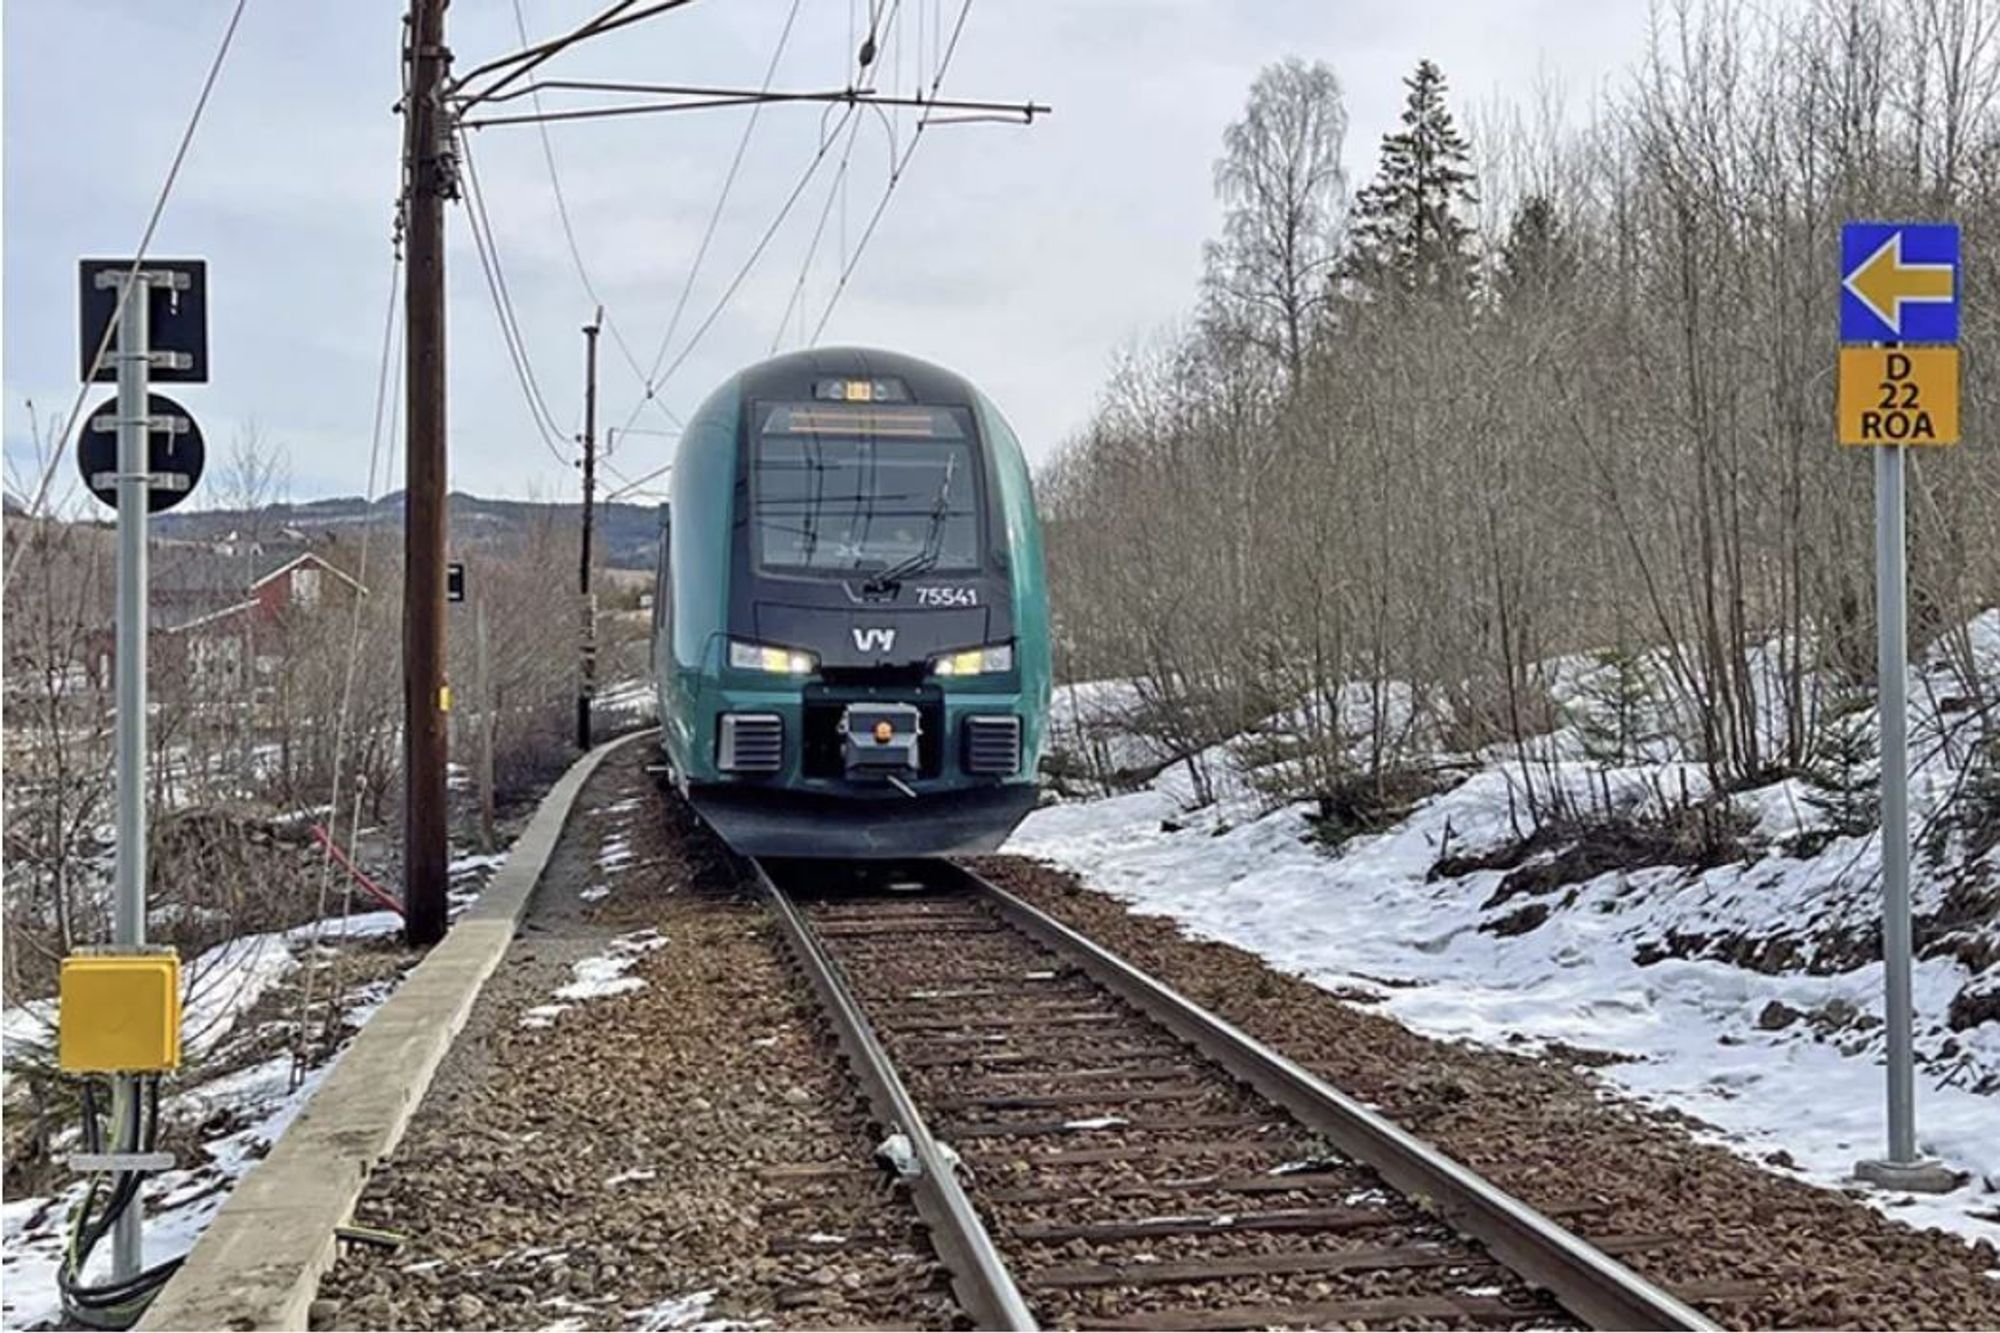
895,176
833,192
510,332
609,21
118,1303
721,202
138,260
388,378
756,253
618,338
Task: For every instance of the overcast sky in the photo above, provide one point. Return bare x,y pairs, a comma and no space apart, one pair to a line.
1023,257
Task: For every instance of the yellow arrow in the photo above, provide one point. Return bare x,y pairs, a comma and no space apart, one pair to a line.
1884,282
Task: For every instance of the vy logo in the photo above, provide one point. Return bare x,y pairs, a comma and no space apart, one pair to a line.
874,640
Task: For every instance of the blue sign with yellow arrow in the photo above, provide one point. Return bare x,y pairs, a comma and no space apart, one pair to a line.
1899,282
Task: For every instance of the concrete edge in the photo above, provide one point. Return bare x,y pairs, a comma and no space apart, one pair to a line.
258,1263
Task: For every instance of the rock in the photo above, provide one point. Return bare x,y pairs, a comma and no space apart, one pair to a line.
324,1314
1778,1015
797,1096
467,1310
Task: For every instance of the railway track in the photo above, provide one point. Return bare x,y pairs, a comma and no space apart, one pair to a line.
1126,1159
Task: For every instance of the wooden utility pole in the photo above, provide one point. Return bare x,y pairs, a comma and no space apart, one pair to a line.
429,168
587,682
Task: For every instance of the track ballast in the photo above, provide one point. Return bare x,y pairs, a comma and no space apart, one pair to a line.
1129,1160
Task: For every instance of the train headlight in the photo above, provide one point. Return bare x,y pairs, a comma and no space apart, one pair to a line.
745,656
988,661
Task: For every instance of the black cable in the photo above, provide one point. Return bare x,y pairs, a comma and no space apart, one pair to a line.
145,240
116,1304
721,200
608,21
510,330
895,176
569,235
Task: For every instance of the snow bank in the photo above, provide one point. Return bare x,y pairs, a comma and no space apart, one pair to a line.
1786,1061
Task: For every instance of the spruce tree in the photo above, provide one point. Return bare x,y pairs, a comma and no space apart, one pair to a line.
1409,236
1538,256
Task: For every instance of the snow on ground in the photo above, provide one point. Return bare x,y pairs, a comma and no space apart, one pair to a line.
599,975
1367,918
221,986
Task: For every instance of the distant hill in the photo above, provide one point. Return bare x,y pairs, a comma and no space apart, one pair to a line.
626,533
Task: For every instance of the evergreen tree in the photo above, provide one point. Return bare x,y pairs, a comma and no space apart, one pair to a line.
1844,769
1409,236
1538,256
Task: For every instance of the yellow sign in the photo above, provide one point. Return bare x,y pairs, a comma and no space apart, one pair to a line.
1899,395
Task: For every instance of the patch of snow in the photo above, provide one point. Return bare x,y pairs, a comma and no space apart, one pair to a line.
626,1177
674,1312
1694,1031
615,855
541,1015
598,976
475,862
605,974
1097,1122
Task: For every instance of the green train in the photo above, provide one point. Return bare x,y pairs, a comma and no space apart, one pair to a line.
850,623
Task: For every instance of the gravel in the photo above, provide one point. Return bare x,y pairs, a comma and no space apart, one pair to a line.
1020,1062
684,1151
1785,1253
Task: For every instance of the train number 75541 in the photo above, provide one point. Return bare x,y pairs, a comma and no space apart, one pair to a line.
961,596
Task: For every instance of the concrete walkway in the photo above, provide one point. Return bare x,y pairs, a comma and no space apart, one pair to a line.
260,1260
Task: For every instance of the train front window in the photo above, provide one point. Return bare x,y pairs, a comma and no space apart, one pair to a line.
839,491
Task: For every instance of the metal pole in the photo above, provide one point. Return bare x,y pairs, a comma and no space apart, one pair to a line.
1891,672
134,341
587,683
486,841
425,744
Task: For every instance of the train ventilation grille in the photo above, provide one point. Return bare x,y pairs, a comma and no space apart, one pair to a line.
751,743
992,744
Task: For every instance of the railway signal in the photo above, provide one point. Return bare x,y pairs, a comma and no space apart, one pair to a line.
1899,285
119,1011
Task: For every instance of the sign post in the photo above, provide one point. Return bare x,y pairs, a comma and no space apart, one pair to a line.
147,303
133,357
1899,285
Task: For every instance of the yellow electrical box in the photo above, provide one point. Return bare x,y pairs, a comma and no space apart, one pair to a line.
119,1013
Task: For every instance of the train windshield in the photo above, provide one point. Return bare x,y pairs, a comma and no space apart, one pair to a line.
839,490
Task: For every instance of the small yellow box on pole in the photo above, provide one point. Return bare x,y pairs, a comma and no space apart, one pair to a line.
119,1013
1899,395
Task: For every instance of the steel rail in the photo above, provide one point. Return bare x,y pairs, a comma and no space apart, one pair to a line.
979,1276
1590,1284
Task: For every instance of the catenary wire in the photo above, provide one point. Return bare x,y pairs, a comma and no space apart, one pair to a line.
895,176
510,331
611,325
652,381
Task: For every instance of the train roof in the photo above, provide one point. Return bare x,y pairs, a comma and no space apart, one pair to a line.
792,376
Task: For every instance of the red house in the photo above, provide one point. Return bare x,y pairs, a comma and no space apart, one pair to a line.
218,607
